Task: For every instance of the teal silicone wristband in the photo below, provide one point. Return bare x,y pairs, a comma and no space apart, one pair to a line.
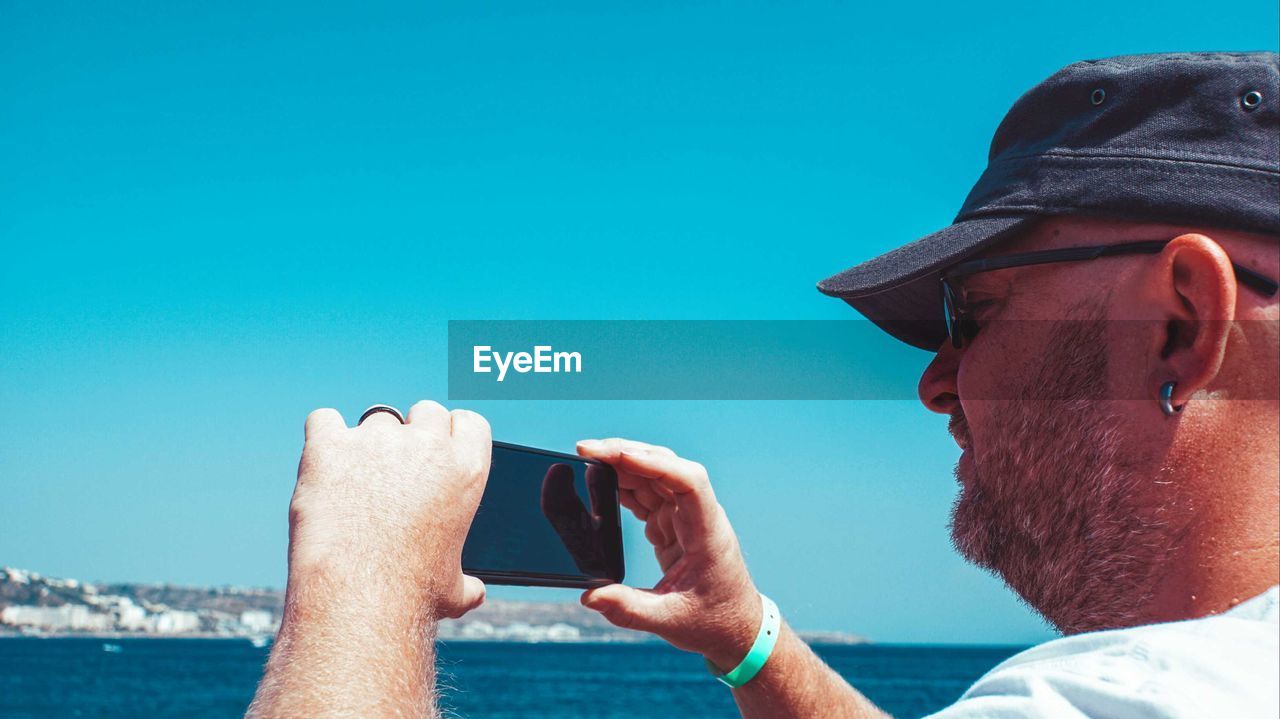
750,666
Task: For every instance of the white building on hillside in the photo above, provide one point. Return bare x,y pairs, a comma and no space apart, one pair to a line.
173,621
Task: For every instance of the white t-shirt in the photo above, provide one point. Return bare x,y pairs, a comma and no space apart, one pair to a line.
1227,665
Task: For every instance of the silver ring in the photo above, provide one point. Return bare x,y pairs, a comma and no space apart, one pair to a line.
380,408
1166,399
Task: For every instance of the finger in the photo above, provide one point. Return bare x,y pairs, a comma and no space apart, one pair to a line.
647,497
607,450
426,414
663,517
628,499
668,555
473,593
630,608
649,493
471,437
631,481
323,421
687,481
659,528
611,452
468,426
654,533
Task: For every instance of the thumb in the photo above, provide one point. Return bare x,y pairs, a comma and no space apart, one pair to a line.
629,608
472,596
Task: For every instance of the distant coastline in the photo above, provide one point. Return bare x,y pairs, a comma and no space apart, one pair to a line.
33,605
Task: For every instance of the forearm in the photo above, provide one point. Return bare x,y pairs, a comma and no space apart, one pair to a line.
797,683
366,651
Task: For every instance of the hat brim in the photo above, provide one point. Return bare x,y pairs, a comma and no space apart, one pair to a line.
899,290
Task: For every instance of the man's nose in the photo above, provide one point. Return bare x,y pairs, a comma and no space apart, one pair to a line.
938,390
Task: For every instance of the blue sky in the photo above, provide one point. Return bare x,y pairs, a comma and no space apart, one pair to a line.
219,216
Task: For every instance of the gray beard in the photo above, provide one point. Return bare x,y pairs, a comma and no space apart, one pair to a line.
1053,507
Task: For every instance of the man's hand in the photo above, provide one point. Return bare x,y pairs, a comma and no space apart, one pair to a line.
392,501
376,527
706,602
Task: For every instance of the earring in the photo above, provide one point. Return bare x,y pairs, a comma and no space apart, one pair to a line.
1166,399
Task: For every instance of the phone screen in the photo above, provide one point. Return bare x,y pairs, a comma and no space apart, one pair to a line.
546,519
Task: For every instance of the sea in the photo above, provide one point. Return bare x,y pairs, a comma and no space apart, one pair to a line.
215,678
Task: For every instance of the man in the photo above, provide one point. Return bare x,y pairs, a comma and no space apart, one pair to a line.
1109,360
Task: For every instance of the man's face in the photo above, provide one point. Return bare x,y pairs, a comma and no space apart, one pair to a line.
1055,495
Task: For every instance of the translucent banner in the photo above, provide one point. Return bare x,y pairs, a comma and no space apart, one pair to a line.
778,359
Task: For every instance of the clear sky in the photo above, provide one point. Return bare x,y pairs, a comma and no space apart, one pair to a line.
215,217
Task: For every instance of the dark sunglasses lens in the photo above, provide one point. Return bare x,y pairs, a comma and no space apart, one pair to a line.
950,315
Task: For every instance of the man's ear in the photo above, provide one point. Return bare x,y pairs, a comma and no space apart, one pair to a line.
1196,288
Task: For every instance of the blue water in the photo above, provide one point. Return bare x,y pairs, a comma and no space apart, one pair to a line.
216,678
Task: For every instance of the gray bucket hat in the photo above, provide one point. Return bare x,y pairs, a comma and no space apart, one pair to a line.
1188,138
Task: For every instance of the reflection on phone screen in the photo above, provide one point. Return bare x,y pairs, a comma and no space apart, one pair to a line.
545,515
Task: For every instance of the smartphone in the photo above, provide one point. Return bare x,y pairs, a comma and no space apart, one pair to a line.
546,519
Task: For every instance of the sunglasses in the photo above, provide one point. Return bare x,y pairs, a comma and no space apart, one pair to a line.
962,327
